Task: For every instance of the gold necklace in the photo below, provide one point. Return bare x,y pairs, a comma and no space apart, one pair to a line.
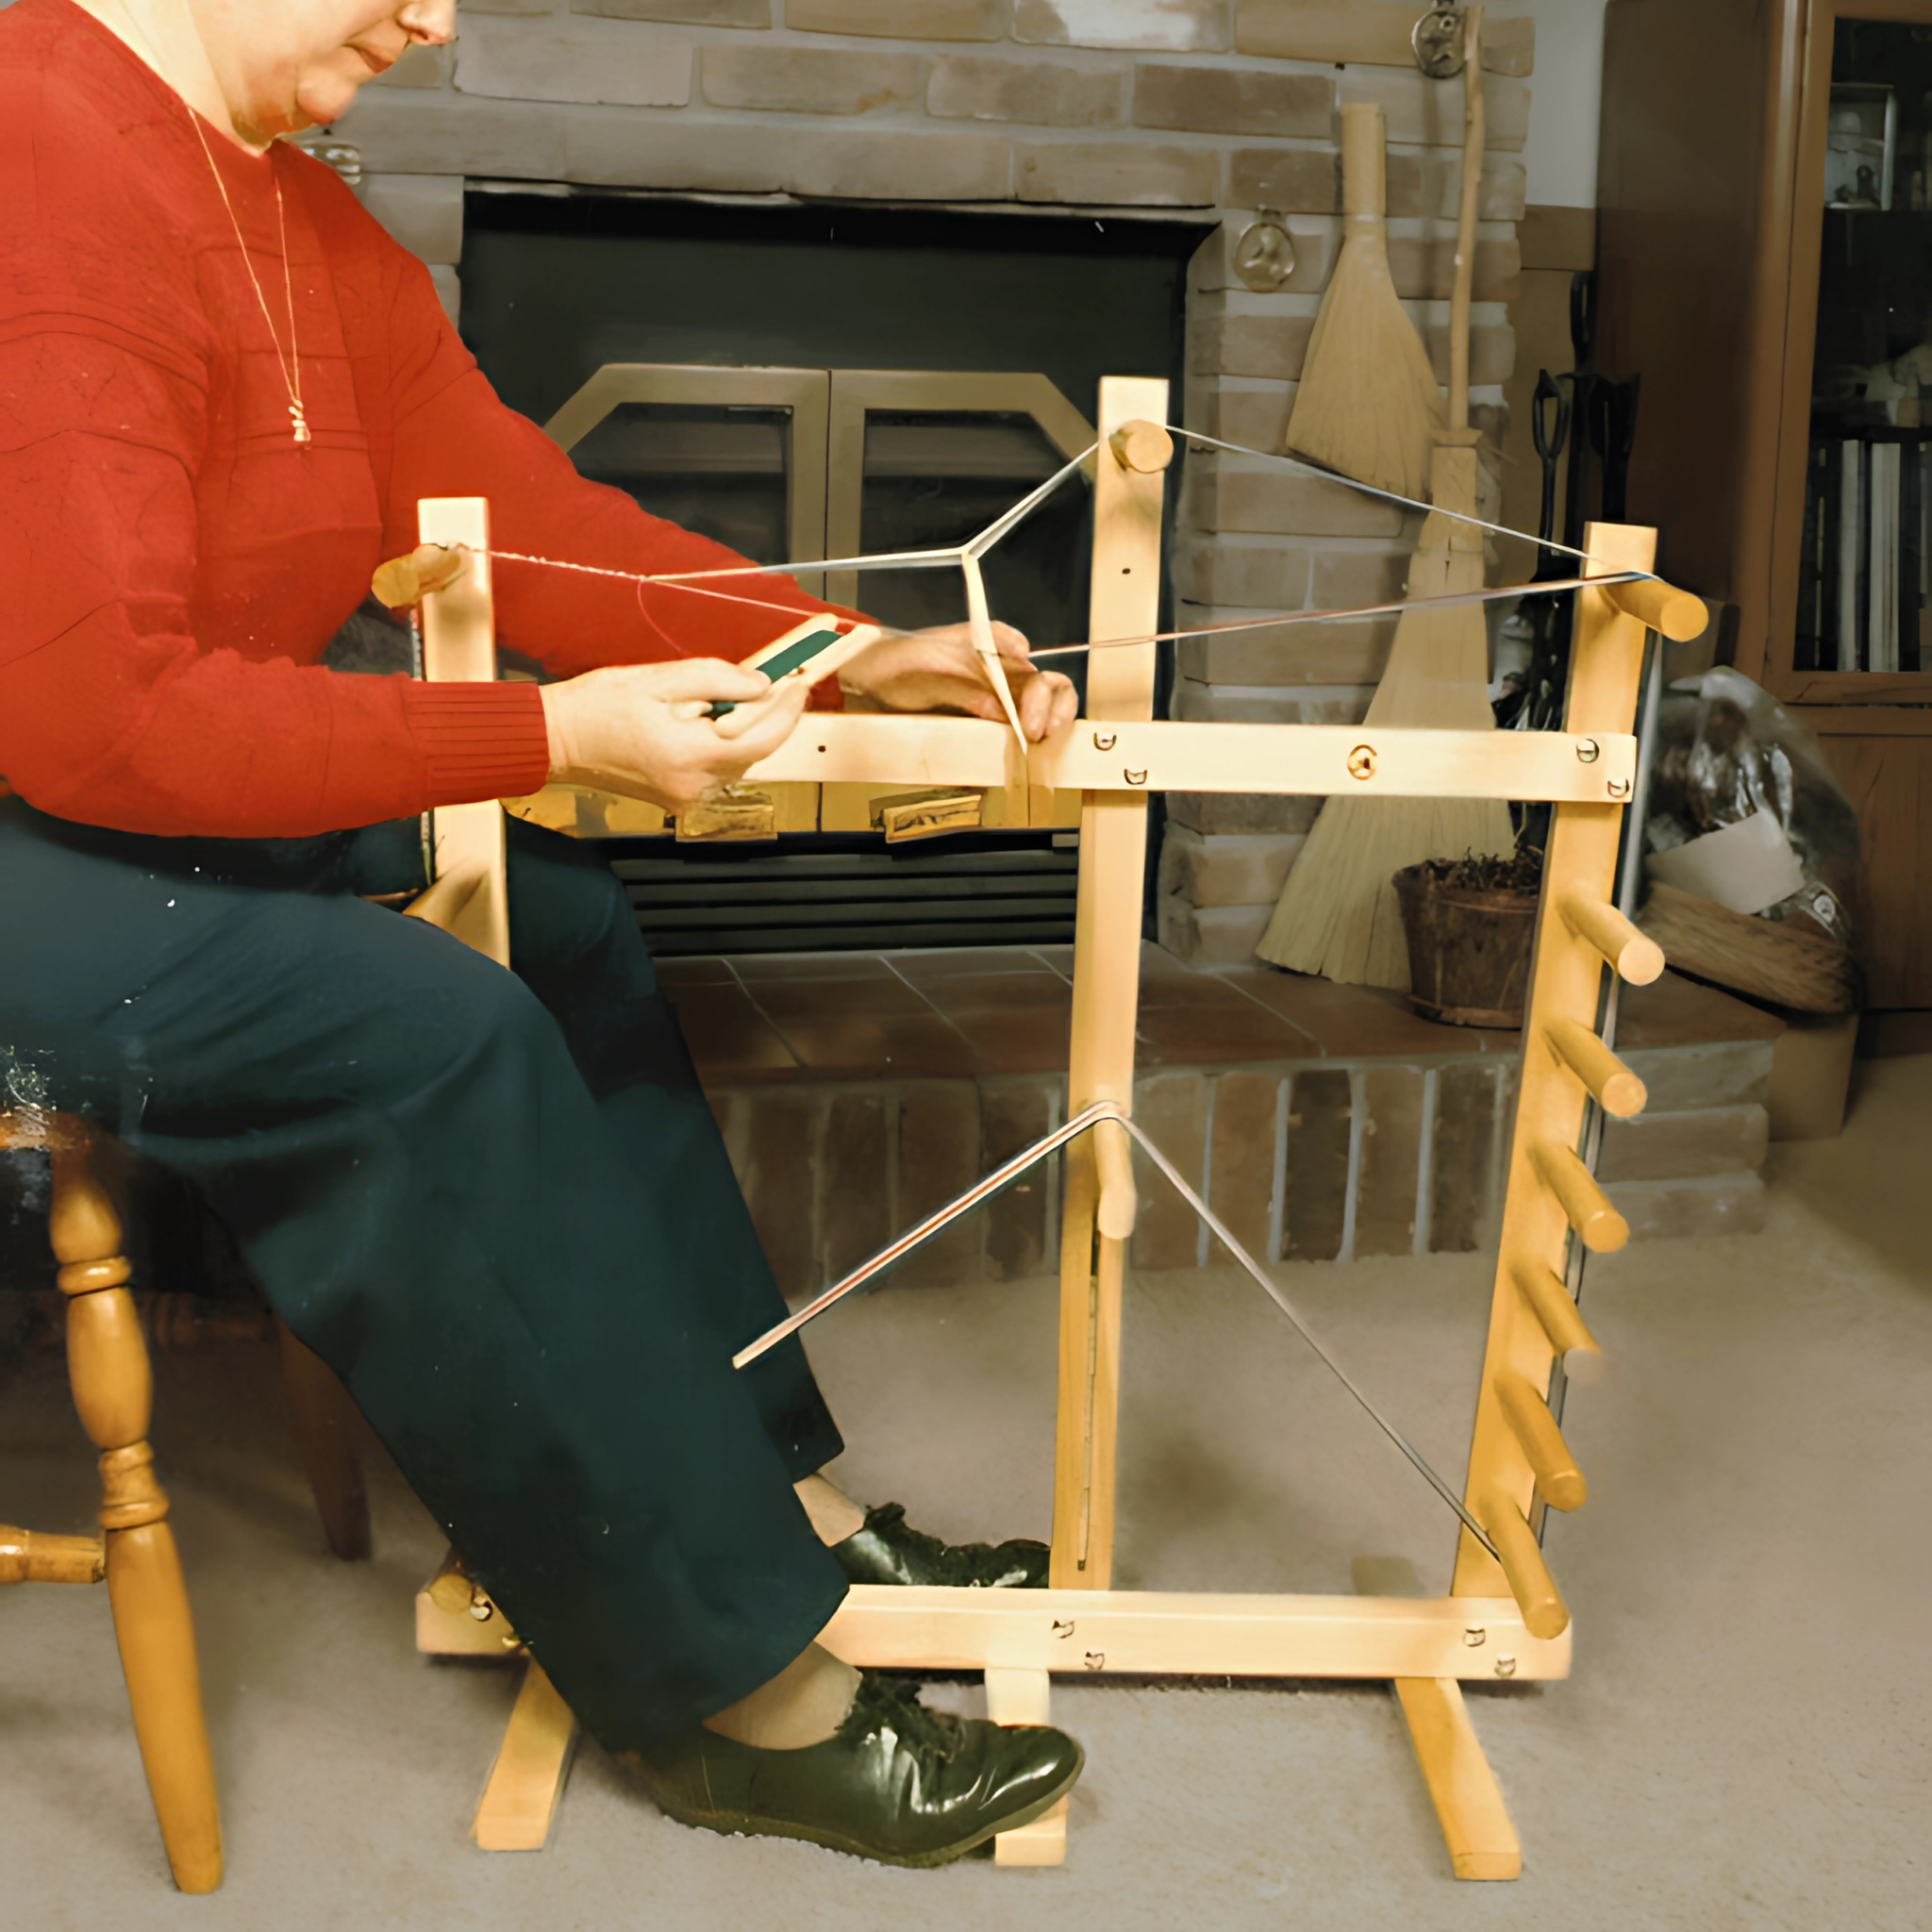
292,380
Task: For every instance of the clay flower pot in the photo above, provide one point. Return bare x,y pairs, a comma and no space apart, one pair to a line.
1470,924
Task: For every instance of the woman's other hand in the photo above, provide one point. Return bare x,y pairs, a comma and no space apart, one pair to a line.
642,730
939,670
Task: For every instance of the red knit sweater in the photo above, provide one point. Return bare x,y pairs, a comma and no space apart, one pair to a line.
173,565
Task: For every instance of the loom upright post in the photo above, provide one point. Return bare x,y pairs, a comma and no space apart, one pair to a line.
1127,504
1518,1452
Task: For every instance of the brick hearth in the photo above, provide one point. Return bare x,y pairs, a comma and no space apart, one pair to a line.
859,1091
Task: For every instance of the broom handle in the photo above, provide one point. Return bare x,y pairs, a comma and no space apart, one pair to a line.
1364,166
1473,134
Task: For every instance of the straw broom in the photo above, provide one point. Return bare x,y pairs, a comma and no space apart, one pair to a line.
1336,915
1367,404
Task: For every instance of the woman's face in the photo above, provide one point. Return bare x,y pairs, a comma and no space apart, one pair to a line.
289,64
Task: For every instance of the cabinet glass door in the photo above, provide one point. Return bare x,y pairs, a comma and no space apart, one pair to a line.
1865,575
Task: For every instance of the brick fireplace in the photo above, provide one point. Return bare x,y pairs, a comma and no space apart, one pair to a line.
1212,111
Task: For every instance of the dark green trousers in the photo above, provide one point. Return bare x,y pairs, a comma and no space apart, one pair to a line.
496,1204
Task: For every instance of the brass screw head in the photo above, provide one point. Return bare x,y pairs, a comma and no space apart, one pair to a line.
1106,740
1476,1637
1505,1667
1588,751
1361,761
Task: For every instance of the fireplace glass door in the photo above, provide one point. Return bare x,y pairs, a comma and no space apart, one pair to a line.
786,465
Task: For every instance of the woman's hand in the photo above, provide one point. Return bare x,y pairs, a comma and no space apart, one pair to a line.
939,670
642,729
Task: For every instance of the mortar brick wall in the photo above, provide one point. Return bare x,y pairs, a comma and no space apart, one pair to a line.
1175,27
1048,94
592,64
1227,100
812,80
1218,109
901,19
1365,31
739,14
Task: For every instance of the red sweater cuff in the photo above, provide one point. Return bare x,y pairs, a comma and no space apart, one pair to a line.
480,740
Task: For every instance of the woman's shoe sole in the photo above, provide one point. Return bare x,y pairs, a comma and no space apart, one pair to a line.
751,1826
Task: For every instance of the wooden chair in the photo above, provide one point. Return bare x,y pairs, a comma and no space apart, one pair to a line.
113,1388
112,1381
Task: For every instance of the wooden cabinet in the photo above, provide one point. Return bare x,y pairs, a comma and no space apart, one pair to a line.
1765,257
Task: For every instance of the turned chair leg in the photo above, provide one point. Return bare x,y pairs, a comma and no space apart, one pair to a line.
113,1388
324,1417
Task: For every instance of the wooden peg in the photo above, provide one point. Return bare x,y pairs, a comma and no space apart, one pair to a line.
1600,1227
1550,1302
1636,956
1616,1088
1544,1612
1557,1476
406,580
1677,613
1142,446
25,1558
1119,1201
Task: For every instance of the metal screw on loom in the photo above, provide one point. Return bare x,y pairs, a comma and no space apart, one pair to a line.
1361,761
1476,1637
1505,1667
1588,751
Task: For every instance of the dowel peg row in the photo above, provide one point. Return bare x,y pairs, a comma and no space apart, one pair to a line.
1636,957
1598,1225
1551,1303
1613,1085
1558,1478
1676,614
1544,1612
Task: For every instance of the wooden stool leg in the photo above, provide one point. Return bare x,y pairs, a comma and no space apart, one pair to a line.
113,1388
323,1416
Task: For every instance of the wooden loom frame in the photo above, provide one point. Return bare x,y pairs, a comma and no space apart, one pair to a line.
1501,1620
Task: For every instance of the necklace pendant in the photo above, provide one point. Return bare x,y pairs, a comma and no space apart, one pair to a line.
302,433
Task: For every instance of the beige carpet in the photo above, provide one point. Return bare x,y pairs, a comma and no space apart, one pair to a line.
1743,1743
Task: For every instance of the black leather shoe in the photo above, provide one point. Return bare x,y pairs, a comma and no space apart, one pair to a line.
890,1550
897,1782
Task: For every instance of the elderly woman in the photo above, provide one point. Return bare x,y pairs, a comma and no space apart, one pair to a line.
495,1203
